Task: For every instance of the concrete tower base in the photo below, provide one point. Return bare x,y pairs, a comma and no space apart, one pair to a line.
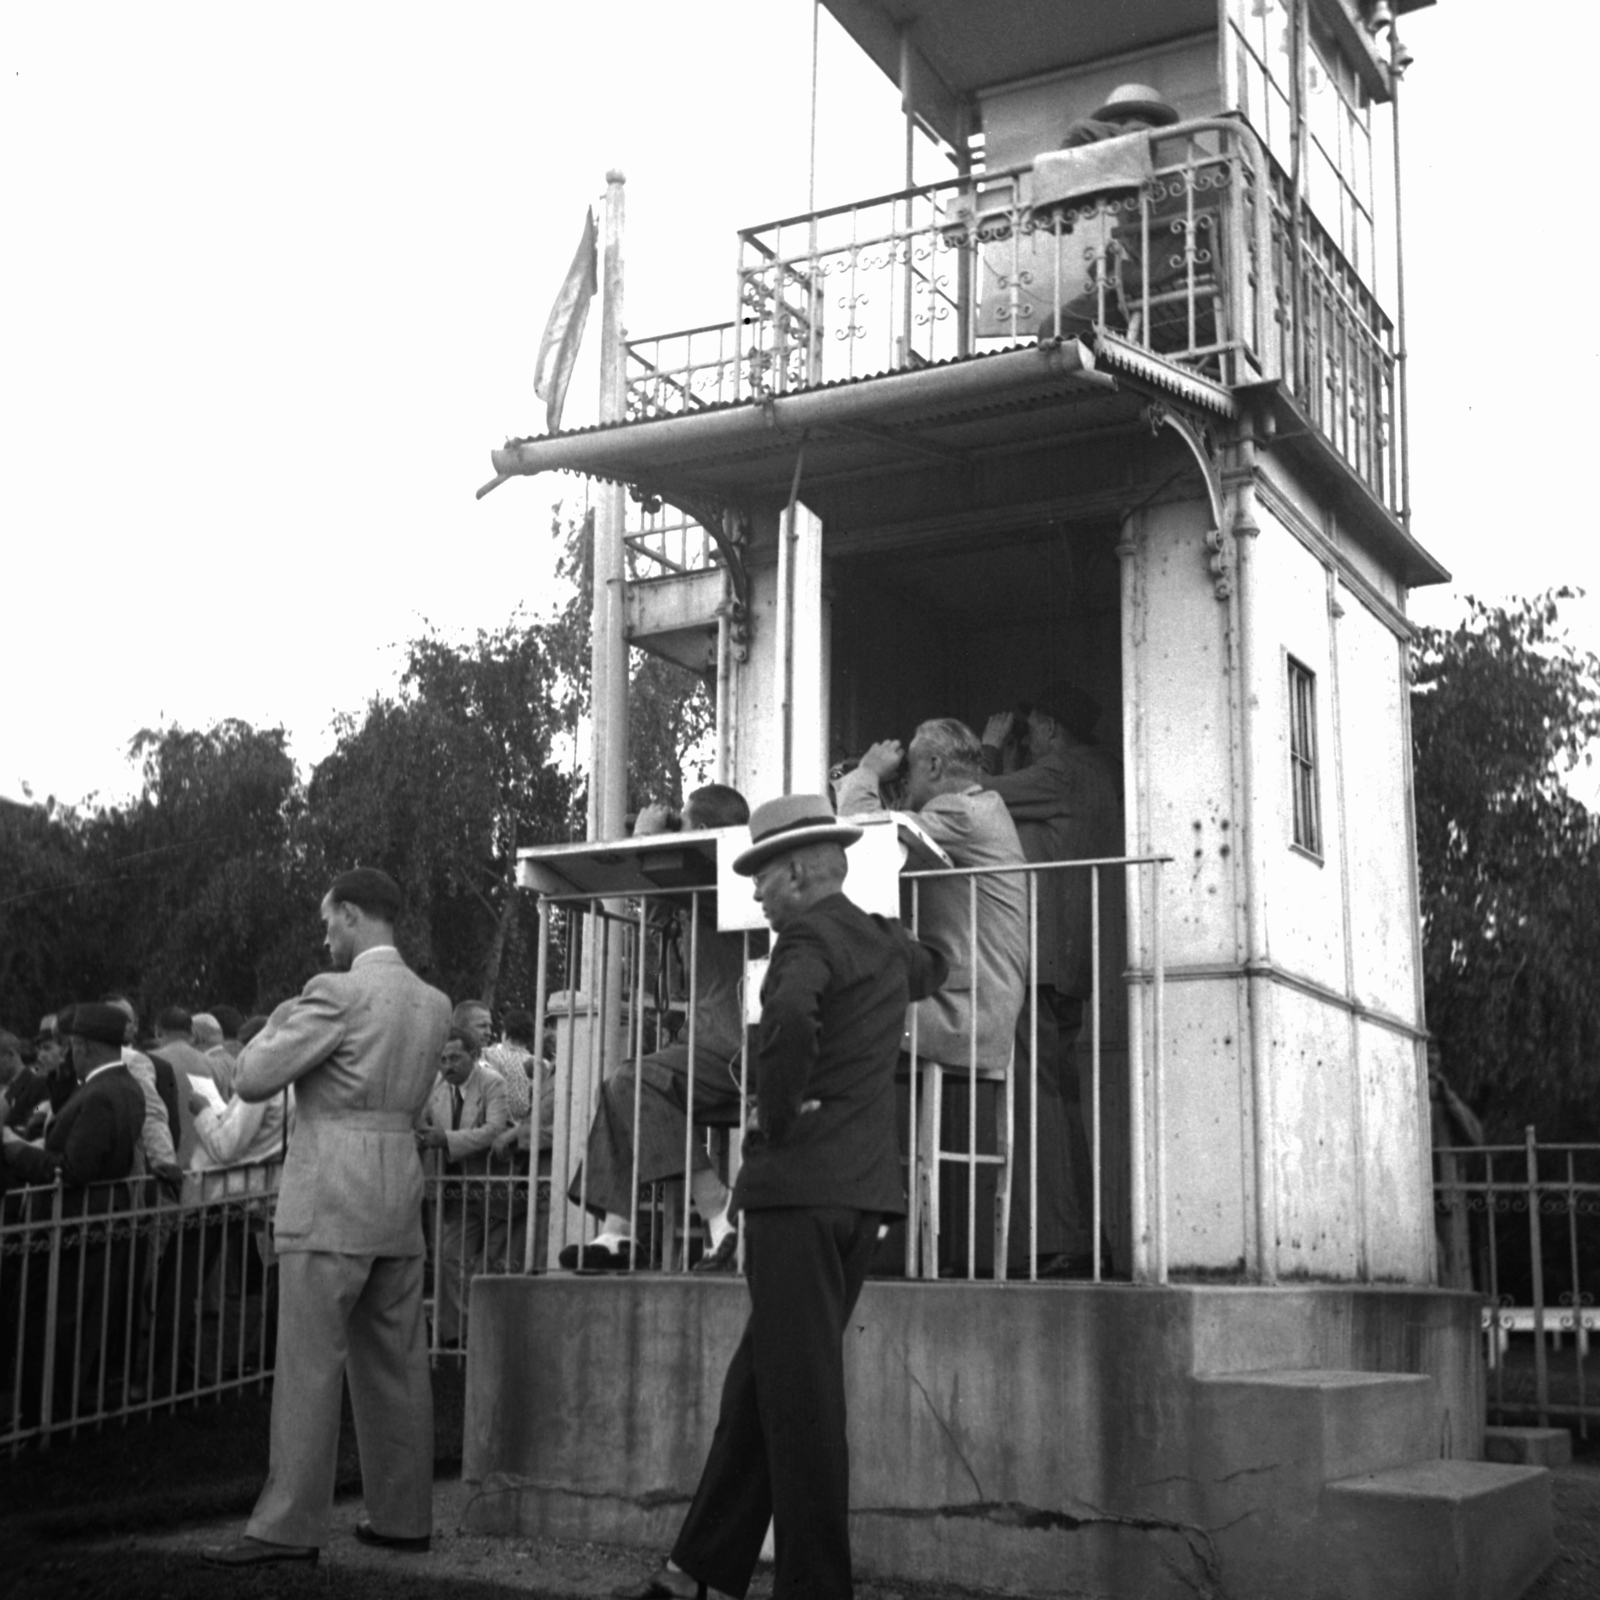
1321,1441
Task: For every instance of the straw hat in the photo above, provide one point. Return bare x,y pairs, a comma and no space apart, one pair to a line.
788,823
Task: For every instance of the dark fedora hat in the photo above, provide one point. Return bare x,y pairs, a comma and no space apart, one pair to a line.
104,1024
788,823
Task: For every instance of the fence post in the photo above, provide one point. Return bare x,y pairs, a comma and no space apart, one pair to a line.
52,1304
1541,1369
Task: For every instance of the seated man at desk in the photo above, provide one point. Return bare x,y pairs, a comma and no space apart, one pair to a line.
606,1183
983,994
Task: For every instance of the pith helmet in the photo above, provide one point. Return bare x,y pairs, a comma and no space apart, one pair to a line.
1136,100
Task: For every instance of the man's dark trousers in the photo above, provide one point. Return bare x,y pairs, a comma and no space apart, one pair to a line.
779,1451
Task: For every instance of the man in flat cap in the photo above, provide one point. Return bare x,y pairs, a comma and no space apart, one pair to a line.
821,1170
361,1046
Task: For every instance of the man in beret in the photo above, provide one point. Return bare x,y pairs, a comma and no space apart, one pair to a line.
821,1170
361,1046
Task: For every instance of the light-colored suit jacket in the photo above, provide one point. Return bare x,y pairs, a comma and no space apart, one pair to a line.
484,1118
362,1050
987,979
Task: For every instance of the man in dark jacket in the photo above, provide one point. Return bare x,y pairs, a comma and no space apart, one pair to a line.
92,1138
821,1170
91,1144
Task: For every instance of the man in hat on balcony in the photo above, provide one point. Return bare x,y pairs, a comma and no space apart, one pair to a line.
1128,108
361,1046
821,1169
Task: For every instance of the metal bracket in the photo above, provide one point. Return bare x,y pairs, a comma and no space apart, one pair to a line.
1219,541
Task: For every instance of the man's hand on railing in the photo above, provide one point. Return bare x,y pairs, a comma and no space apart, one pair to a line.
169,1175
431,1139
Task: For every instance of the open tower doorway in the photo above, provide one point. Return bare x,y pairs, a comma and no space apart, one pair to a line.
968,624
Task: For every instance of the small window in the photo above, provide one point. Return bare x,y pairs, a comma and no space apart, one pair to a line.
1303,757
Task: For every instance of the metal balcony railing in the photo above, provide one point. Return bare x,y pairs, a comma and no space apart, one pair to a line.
1185,245
644,956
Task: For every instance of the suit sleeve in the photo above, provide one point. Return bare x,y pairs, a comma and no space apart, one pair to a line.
926,968
791,1028
223,1134
857,793
1031,794
301,1034
91,1143
948,819
155,1137
461,1142
32,1163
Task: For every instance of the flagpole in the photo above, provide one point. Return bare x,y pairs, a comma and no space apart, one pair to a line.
608,647
608,770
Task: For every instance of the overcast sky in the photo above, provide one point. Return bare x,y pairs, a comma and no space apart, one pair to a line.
274,280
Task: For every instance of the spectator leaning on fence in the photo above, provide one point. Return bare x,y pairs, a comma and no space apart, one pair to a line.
465,1115
163,1122
516,1059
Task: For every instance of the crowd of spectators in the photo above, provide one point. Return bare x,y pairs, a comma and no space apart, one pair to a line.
140,1129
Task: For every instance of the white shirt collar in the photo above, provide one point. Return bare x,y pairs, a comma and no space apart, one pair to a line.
372,950
105,1066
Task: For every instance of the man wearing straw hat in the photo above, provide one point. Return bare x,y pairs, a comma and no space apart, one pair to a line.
821,1170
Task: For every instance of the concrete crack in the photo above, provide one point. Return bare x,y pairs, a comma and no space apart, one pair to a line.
944,1427
1202,1573
1227,1477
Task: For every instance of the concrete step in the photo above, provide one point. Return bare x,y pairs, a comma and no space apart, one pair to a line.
1309,1427
1435,1530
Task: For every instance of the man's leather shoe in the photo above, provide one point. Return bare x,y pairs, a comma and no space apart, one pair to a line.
416,1544
663,1584
250,1552
724,1257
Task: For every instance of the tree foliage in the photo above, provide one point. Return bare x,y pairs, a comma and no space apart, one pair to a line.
1503,709
204,888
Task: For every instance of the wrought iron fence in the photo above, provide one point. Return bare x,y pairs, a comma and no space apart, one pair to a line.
1516,1223
117,1301
632,1047
120,1302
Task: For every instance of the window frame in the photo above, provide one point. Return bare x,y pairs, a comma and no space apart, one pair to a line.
1305,778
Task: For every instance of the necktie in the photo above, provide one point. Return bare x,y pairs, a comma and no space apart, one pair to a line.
455,1106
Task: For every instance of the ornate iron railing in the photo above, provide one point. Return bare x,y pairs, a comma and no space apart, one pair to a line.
1185,244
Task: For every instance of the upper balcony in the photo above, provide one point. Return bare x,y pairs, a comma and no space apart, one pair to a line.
1173,254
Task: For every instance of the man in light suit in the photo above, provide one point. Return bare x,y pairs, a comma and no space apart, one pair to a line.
464,1116
982,997
361,1046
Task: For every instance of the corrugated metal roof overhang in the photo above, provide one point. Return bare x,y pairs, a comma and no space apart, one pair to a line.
747,450
958,47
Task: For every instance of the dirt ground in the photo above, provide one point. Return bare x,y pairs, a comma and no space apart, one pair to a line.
125,1515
